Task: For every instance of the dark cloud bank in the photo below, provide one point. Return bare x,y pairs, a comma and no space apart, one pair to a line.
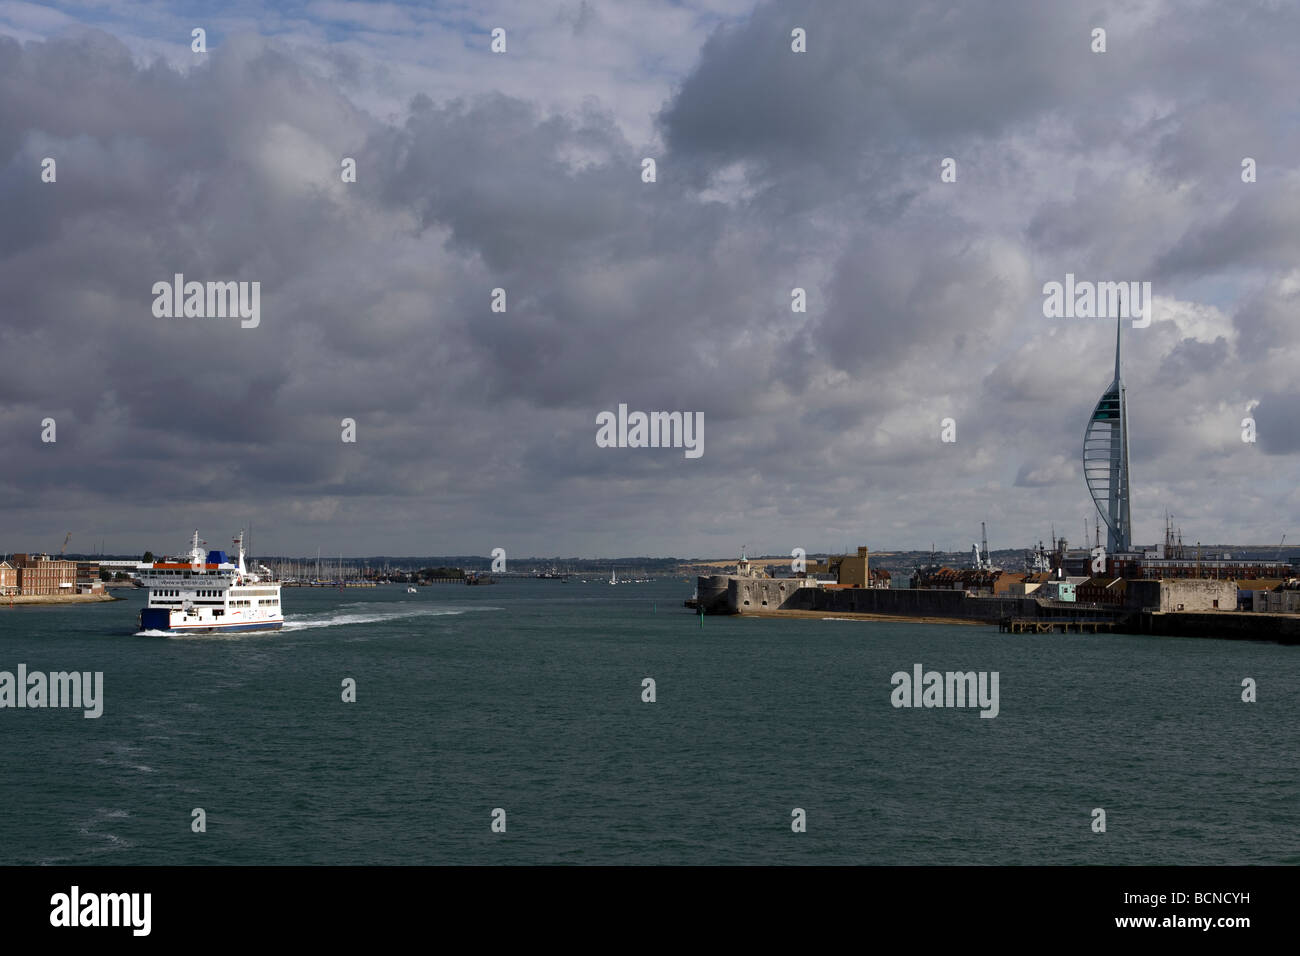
820,170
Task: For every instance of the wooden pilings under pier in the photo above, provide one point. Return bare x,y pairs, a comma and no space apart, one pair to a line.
1048,625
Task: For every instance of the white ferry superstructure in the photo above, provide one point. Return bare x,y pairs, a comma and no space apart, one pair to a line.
209,593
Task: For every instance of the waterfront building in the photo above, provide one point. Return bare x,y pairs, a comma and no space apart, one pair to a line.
1101,590
41,574
981,582
851,570
88,581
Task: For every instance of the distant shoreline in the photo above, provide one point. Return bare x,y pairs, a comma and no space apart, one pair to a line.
58,599
861,616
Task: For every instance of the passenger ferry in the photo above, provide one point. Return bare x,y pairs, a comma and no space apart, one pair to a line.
208,593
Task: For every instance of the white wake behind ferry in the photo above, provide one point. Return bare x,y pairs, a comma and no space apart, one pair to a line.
209,593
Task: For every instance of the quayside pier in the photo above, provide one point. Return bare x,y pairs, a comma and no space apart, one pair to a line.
1065,625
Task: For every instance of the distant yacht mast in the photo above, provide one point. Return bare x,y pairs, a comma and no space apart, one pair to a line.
1105,460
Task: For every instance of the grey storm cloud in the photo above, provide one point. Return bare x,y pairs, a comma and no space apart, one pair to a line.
776,170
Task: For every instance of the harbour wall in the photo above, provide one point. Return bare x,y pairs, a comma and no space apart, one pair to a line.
1183,594
97,598
1224,625
731,594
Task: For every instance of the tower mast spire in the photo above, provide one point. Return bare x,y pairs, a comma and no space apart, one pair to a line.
1119,324
1105,458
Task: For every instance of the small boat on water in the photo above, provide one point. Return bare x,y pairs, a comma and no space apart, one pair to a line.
613,576
412,591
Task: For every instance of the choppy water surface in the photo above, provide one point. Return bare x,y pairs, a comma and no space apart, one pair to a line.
526,695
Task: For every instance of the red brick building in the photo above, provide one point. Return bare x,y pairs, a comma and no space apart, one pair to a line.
41,574
1101,590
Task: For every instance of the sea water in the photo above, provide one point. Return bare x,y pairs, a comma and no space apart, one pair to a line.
528,697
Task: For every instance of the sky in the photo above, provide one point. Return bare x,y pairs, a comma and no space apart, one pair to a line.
523,170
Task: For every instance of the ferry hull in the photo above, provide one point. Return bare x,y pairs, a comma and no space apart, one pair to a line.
159,619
